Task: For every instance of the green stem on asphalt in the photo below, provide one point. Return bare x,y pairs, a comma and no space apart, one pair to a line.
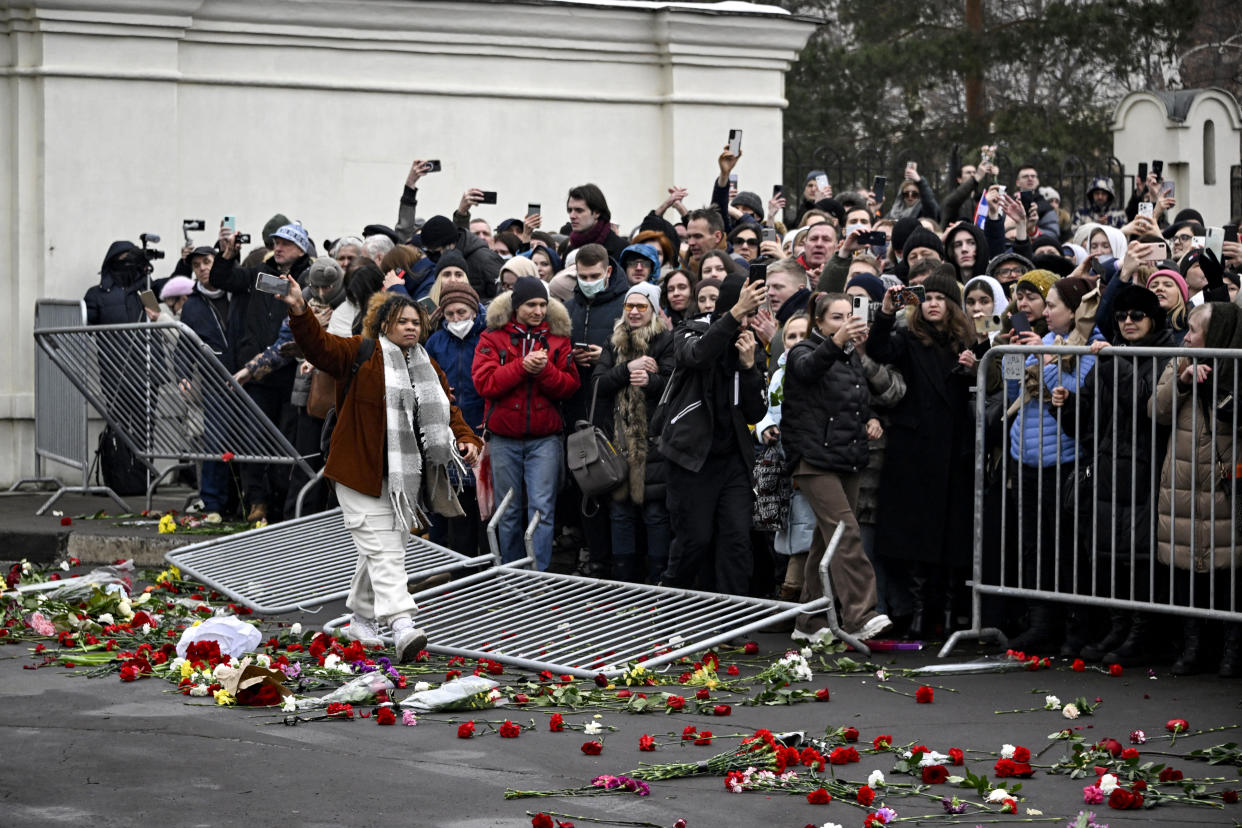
597,821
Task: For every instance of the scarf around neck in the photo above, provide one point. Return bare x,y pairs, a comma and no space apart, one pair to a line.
418,429
596,235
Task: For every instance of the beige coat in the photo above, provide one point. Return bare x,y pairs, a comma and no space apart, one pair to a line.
1189,476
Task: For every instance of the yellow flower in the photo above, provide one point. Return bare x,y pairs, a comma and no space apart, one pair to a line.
223,697
168,525
186,669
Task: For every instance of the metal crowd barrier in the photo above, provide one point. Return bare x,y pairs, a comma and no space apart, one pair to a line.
166,394
574,625
1090,530
60,416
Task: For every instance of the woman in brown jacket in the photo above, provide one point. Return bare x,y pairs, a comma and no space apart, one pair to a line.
1196,504
396,435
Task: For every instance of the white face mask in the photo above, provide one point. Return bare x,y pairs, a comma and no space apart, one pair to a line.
460,328
589,289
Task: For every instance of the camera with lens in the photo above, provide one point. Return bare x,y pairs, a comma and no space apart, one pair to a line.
150,252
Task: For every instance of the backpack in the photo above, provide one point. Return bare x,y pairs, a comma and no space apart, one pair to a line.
121,469
595,463
365,348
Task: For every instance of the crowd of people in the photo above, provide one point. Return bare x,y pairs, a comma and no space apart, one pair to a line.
771,371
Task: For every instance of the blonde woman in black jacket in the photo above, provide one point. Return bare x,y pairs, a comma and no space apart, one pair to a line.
826,422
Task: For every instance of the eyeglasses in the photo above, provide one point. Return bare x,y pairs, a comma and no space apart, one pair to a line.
1184,237
636,306
745,242
1132,315
1009,271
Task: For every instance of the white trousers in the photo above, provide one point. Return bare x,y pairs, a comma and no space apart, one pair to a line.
379,588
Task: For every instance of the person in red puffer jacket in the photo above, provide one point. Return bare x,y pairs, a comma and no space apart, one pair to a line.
523,369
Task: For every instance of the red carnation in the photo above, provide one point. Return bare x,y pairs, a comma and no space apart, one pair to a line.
1005,768
702,694
601,680
1130,753
935,774
1021,754
592,748
557,723
822,694
1124,800
465,731
66,521
1170,775
956,756
1229,797
1079,665
704,738
732,670
865,796
819,796
541,820
646,742
722,710
688,733
508,730
675,702
1116,670
751,648
1177,725
882,741
924,695
850,734
227,456
1139,785
1111,745
385,716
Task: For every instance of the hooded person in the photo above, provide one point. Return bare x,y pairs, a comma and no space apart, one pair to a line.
628,381
984,287
641,263
967,248
1196,538
124,272
524,370
1007,268
482,264
1116,239
718,392
553,260
1100,207
515,268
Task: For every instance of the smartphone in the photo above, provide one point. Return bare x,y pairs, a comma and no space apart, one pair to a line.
267,283
735,141
147,297
877,187
243,238
431,166
758,273
1028,198
911,295
532,210
988,324
733,180
873,238
1001,188
1019,323
1158,168
911,165
489,197
1231,233
1142,171
427,305
777,189
582,346
1167,189
862,308
1102,266
1214,237
769,234
821,181
1146,209
229,223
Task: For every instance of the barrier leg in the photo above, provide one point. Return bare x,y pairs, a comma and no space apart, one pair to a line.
977,631
159,478
297,509
825,578
493,527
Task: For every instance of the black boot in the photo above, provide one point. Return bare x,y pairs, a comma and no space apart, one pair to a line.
1074,638
1187,663
1231,655
1041,633
1135,650
919,620
1118,632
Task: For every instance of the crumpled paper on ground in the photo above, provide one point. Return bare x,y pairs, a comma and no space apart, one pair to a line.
236,637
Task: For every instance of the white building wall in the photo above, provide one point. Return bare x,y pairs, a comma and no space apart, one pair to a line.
125,116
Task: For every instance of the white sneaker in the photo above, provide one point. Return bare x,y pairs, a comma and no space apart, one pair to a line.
878,624
364,630
408,641
822,634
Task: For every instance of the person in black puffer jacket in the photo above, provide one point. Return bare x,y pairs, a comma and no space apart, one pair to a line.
265,485
114,301
826,421
629,379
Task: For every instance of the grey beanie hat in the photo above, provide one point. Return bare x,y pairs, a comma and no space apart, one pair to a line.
324,272
748,199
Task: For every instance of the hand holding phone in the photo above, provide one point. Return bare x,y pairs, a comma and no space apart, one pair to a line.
735,141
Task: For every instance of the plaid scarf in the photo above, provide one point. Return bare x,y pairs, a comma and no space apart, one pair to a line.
417,429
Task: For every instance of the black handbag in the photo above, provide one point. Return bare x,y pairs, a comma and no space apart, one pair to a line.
121,469
595,463
773,489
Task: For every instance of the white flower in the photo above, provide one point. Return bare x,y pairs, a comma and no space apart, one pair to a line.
592,728
421,686
106,619
124,609
831,825
174,666
146,629
789,776
1052,703
1108,783
25,567
199,690
289,705
64,565
296,629
263,660
1007,751
1034,812
332,662
881,674
142,598
998,795
1070,711
57,513
805,652
933,758
876,779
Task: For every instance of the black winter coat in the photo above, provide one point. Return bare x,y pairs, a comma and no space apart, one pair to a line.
926,496
826,407
482,263
263,313
114,301
591,320
198,315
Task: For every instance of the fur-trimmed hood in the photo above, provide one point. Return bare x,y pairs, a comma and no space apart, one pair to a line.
500,313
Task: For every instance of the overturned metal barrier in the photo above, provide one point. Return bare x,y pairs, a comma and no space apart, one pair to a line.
573,625
1099,526
166,395
299,563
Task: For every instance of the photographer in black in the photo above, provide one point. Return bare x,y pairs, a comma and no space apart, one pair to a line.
265,485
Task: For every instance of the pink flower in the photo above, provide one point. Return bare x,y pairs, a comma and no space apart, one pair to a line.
40,624
408,718
1092,795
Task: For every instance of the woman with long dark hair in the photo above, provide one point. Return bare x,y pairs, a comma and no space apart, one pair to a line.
924,540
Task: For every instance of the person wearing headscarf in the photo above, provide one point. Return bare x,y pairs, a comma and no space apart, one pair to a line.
396,437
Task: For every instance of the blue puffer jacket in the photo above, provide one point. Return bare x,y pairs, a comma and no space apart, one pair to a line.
456,359
1035,438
